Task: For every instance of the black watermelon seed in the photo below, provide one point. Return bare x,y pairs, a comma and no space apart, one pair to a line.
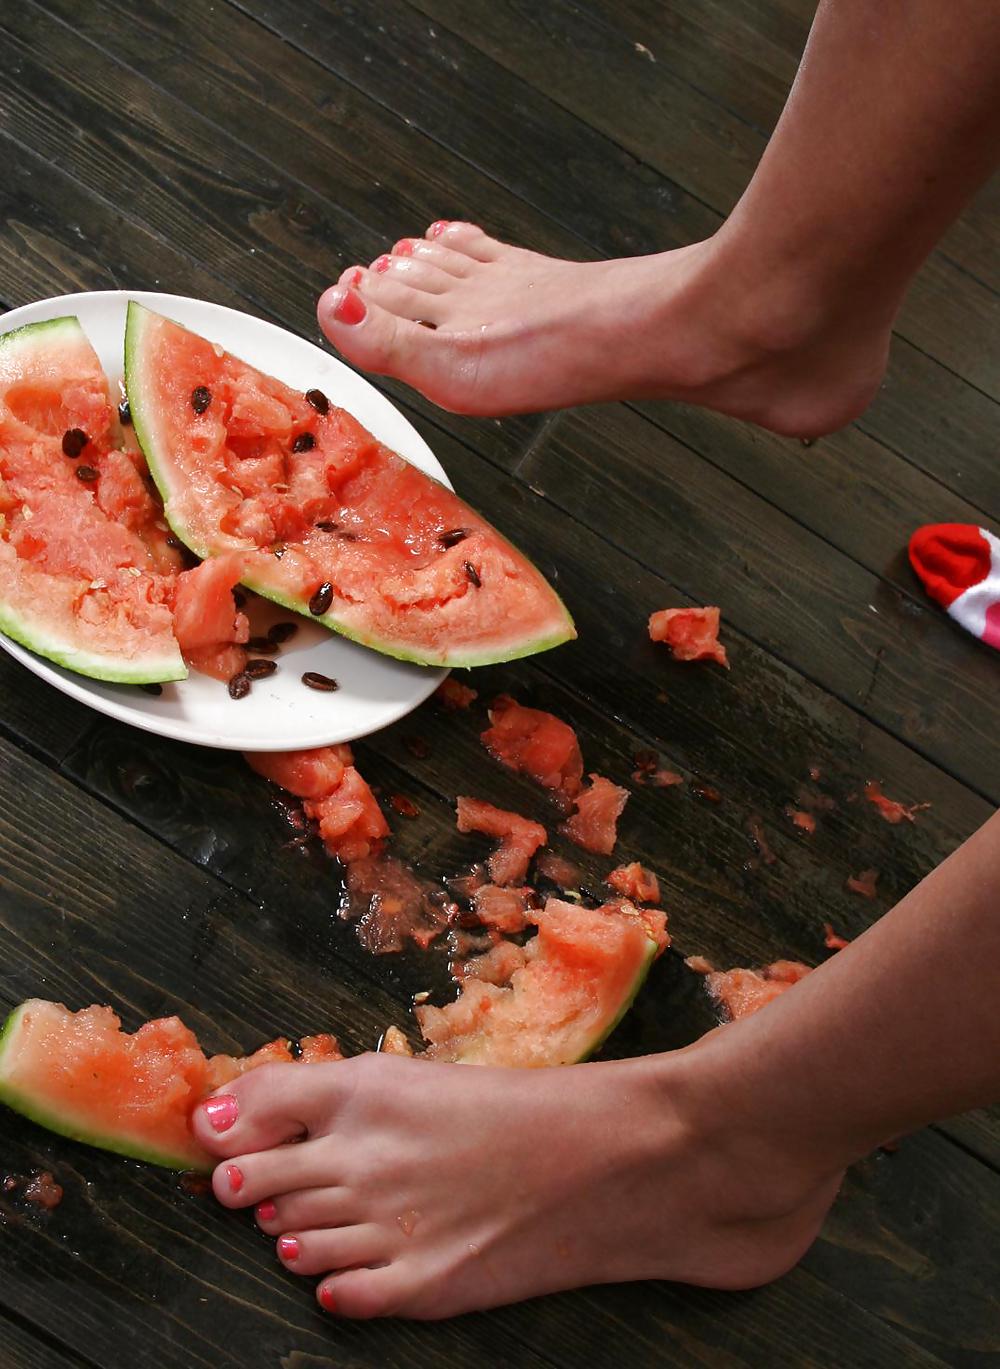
318,400
86,473
239,597
259,670
453,537
73,442
473,574
239,685
425,323
281,632
315,680
321,600
262,646
304,443
201,398
325,525
279,550
125,414
173,541
152,688
295,1050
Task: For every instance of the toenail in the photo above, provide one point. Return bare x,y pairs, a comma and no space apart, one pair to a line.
403,248
382,263
326,1298
221,1112
351,308
266,1212
438,227
288,1248
356,277
235,1176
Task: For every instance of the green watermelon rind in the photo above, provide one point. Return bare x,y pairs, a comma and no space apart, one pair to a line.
596,1038
137,317
34,634
32,1107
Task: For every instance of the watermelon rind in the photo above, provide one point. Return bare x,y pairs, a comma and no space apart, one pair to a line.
31,629
593,1038
143,422
33,1106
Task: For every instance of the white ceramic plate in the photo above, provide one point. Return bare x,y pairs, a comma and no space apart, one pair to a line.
280,713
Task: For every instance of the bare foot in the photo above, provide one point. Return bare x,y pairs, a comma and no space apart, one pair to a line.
425,1190
481,327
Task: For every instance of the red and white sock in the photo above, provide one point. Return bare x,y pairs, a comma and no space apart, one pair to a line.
960,567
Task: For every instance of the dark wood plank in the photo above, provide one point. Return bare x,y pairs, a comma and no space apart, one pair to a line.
23,1349
828,616
669,125
47,731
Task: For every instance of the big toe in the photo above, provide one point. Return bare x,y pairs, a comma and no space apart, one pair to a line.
364,1293
267,1107
375,339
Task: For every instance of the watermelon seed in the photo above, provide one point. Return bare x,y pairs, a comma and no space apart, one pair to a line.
315,680
304,443
239,685
318,400
152,688
263,646
125,414
425,323
259,670
326,526
453,537
174,542
73,442
295,1050
281,632
279,550
86,473
321,600
201,398
473,574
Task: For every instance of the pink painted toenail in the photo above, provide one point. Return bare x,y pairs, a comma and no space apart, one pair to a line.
438,227
326,1298
235,1176
357,277
403,248
266,1212
351,309
221,1112
382,263
288,1248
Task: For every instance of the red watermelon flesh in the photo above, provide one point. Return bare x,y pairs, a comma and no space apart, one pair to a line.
742,992
519,837
245,463
692,634
351,824
594,824
80,1075
535,743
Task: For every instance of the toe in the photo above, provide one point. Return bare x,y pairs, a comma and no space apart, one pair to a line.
416,272
470,240
436,254
323,1249
306,1209
267,1107
362,1293
392,293
377,340
246,1180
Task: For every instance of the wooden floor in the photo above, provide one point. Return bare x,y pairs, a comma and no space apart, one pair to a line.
245,153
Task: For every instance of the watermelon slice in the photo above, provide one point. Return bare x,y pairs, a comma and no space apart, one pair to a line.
578,977
79,1075
330,521
85,573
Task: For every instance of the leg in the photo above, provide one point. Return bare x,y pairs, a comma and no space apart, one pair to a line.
783,317
714,1165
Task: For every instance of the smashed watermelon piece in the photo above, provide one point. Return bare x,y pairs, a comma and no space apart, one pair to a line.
519,837
335,795
594,824
535,743
743,992
453,695
504,908
635,882
890,809
863,883
692,634
832,940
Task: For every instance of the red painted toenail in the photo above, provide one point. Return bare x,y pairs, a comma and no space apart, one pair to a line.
357,277
351,309
438,227
288,1248
403,248
382,263
266,1212
221,1112
235,1176
326,1298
